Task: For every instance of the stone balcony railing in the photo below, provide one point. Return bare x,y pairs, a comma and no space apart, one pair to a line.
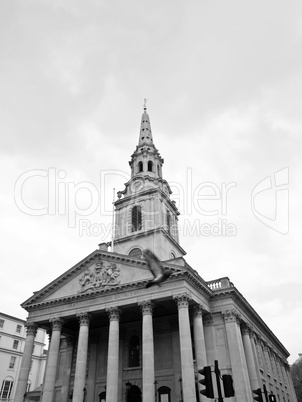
218,284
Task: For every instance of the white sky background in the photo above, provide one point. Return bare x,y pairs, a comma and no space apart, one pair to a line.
224,86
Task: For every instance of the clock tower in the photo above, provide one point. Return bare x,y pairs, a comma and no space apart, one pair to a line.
145,215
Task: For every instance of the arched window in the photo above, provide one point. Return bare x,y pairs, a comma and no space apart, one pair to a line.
136,218
134,394
136,253
164,394
150,166
140,166
102,397
6,388
134,351
168,221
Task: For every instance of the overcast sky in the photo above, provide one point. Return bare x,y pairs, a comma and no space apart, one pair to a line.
224,86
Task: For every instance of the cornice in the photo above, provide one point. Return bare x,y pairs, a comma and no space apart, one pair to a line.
257,322
178,272
144,233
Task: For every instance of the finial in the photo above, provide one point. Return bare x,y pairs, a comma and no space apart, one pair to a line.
145,106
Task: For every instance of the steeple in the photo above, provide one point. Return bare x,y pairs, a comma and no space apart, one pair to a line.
146,217
145,135
146,160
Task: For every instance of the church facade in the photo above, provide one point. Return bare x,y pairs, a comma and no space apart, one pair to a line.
114,340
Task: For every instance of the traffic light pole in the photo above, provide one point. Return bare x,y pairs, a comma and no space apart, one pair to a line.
217,373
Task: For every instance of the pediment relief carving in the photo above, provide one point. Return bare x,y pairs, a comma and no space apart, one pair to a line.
104,274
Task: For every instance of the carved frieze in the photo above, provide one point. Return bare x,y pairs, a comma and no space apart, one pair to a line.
105,274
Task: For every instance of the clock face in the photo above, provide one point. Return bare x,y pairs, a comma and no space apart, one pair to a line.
137,185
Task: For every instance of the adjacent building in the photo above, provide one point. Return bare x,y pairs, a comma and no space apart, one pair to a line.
12,342
114,340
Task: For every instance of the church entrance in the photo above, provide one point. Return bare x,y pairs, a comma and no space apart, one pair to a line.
134,394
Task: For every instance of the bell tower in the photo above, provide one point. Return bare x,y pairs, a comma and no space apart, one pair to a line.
145,215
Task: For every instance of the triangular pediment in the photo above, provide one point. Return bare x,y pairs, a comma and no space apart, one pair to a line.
100,272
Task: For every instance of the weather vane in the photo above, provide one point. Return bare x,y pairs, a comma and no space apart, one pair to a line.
145,101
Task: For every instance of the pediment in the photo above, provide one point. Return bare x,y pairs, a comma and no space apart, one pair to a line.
98,273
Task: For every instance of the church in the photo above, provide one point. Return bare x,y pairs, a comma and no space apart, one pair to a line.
113,339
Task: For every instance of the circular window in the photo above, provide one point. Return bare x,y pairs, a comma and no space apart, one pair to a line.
136,253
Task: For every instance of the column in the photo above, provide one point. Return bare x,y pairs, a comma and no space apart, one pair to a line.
256,353
52,360
187,366
81,362
68,349
291,389
93,357
31,330
270,373
199,343
113,354
148,352
209,337
239,368
249,356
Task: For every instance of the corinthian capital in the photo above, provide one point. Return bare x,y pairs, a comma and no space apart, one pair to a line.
31,328
198,311
113,313
246,329
146,307
56,323
84,318
231,316
182,300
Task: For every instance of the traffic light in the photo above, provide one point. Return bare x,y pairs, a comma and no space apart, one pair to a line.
258,396
228,385
207,382
272,398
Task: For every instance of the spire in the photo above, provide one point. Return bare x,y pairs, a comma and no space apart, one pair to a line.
145,135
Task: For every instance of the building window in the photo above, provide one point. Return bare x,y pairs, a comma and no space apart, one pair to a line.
102,397
28,387
150,166
6,389
15,344
140,166
18,329
164,394
136,218
136,253
12,362
1,323
134,351
31,365
168,221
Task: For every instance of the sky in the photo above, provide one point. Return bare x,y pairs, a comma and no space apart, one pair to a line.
223,81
